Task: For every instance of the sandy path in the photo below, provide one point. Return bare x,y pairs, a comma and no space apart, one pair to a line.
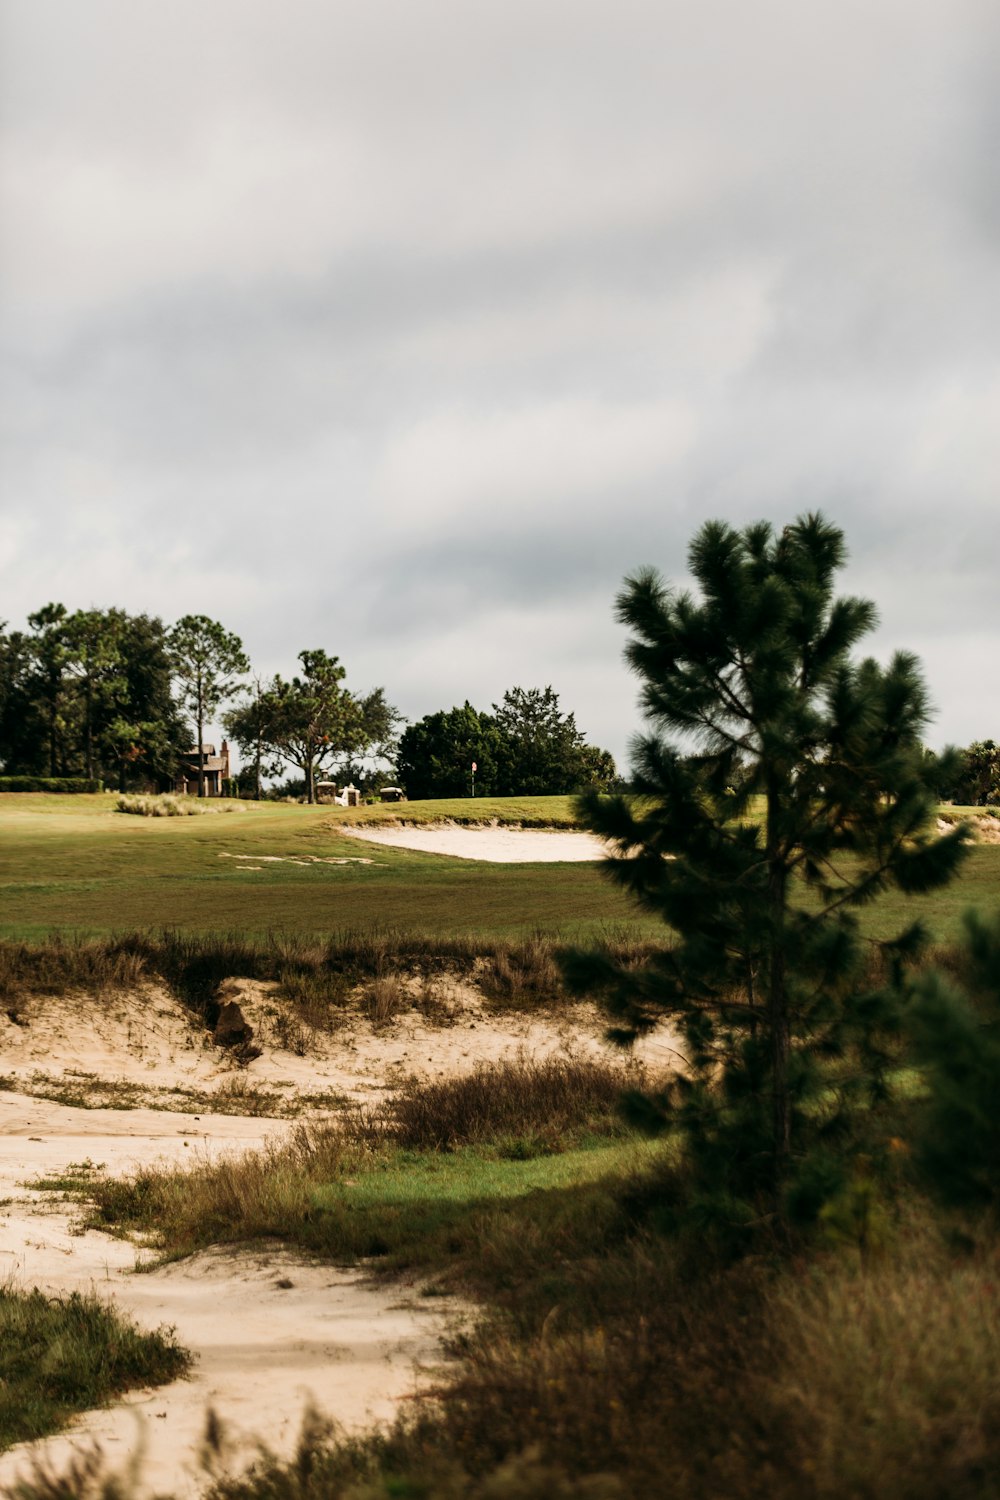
497,845
262,1350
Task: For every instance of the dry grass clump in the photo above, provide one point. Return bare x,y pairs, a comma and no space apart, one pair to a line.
544,1104
887,1376
61,965
166,805
520,975
252,1195
384,998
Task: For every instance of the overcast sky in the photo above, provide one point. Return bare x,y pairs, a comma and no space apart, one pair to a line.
406,328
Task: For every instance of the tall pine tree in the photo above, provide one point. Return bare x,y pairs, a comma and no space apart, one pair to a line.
782,788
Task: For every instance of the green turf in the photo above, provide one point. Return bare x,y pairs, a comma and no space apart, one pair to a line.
71,863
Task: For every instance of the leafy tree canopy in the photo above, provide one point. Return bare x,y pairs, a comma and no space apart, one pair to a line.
89,693
527,746
313,722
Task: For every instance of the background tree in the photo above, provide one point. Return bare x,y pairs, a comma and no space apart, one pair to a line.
977,783
312,721
93,659
251,724
143,701
208,662
23,741
50,652
541,752
806,798
436,754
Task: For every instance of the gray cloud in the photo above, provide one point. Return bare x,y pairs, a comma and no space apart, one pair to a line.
408,328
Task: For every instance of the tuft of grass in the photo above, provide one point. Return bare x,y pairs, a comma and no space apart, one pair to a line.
384,998
166,805
520,1104
61,1355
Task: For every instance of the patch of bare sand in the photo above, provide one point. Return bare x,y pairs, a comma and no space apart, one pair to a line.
270,1332
496,844
262,1350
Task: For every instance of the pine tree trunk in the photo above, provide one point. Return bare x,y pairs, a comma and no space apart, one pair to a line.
201,736
88,735
310,782
778,1021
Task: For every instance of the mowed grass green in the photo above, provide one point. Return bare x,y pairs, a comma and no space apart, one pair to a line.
73,864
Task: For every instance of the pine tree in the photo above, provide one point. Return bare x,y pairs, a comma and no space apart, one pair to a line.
956,1028
783,787
208,663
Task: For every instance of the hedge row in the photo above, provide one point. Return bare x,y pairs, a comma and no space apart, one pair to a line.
49,784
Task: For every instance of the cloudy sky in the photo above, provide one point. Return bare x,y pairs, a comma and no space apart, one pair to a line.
407,328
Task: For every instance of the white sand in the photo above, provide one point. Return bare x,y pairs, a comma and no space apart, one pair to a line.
261,1352
495,844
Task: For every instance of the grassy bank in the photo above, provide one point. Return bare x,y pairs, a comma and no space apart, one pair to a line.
62,1355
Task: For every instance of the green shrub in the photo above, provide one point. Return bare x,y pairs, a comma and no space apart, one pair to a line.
50,784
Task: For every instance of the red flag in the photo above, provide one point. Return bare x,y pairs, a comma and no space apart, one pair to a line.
474,766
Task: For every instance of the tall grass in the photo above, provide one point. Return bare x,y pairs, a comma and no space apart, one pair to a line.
60,1355
317,975
521,1104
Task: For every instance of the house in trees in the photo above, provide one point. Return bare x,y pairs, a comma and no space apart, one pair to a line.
215,767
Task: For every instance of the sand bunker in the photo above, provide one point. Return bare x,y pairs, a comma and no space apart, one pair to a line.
495,844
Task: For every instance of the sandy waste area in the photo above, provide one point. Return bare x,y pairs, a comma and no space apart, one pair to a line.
270,1332
496,844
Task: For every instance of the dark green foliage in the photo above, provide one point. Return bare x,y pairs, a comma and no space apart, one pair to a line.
806,796
64,784
957,1033
975,781
526,747
541,749
436,754
89,694
60,1355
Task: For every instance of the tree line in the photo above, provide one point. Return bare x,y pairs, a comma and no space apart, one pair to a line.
122,699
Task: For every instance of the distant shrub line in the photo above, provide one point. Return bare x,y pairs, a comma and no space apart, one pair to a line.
50,784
